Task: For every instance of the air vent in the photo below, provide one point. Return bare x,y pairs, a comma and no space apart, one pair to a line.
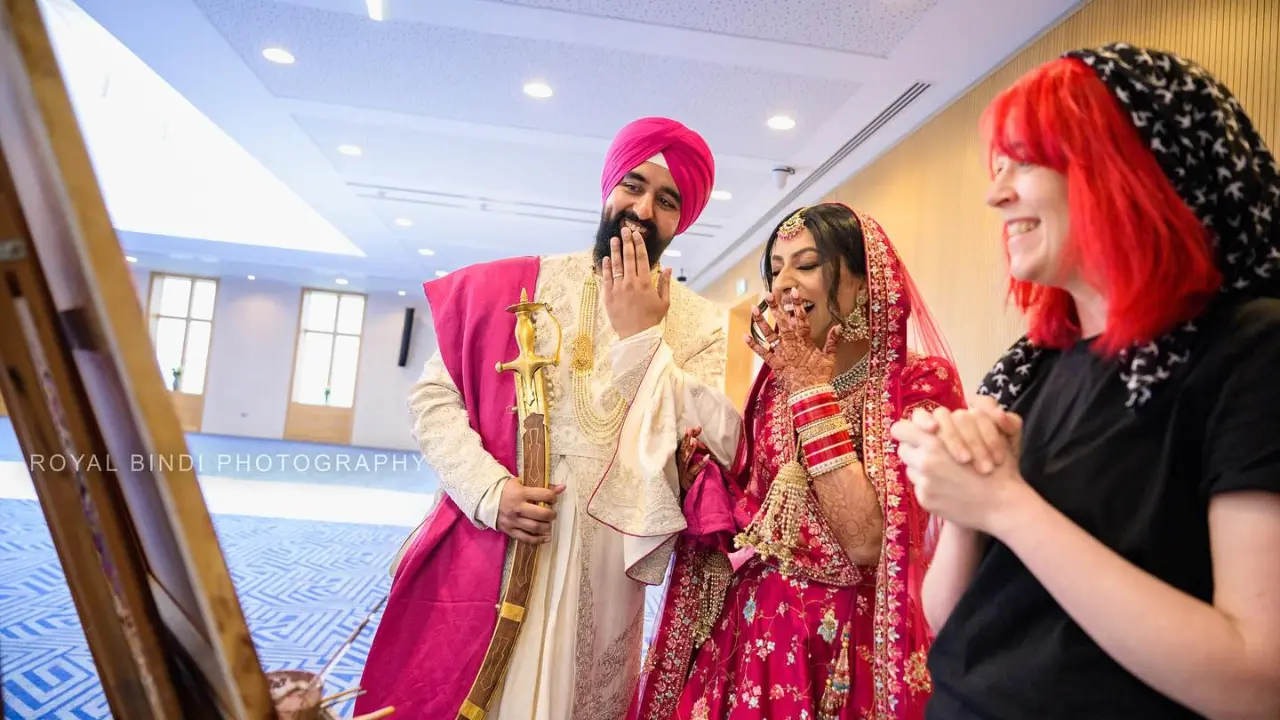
540,211
871,128
476,203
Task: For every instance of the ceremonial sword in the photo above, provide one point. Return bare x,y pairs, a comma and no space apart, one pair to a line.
531,408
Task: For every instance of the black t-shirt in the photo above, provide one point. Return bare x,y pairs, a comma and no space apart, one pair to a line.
1141,484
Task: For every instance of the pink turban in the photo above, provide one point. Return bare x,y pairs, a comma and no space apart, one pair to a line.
684,153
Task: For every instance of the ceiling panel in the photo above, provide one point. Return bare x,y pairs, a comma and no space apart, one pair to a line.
868,27
471,167
453,74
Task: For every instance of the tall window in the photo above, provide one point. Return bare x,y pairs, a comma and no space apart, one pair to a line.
181,323
328,348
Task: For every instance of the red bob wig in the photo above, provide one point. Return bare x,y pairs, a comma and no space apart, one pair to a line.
1131,235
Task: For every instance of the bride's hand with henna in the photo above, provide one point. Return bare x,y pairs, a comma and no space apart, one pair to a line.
789,350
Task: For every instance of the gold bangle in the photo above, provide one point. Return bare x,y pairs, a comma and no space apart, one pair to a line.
812,391
828,433
824,424
833,464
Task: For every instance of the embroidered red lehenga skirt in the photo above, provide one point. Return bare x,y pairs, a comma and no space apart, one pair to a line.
782,645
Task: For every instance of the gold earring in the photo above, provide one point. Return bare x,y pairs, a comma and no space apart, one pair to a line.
855,326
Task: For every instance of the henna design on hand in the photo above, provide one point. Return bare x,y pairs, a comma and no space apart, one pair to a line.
852,509
791,353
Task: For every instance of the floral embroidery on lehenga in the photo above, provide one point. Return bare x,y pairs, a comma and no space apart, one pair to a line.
827,628
918,672
779,648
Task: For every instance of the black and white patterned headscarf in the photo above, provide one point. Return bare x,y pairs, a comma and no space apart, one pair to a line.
1222,170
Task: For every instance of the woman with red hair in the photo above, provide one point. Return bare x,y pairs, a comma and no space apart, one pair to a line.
1111,499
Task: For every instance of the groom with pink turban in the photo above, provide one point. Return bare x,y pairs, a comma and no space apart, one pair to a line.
605,531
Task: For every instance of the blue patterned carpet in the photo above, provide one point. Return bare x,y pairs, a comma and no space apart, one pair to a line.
303,587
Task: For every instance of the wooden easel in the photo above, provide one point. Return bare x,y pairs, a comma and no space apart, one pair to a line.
79,380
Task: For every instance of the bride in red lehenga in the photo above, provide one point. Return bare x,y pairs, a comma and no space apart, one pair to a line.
823,620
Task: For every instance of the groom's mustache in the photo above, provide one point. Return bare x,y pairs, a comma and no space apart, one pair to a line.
612,228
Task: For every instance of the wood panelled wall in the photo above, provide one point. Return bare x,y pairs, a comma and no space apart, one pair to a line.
928,191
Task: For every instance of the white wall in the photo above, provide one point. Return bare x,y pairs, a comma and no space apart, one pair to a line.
255,329
382,387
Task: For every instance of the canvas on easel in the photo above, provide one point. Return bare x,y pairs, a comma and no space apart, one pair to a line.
80,382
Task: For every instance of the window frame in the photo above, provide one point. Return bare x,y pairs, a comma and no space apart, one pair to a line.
300,334
155,282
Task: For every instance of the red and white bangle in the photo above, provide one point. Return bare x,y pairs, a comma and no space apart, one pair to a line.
814,404
826,441
829,452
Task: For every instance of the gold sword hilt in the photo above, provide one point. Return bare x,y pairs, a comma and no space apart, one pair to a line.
530,395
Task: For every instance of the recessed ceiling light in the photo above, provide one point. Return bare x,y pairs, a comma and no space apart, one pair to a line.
537,90
341,281
404,222
278,55
251,277
721,195
441,273
428,252
130,258
673,253
375,9
781,122
401,293
352,150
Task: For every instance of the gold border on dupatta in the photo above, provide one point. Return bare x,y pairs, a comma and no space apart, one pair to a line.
888,353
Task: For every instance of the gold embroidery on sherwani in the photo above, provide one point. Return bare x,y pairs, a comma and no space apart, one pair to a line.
653,568
602,683
606,662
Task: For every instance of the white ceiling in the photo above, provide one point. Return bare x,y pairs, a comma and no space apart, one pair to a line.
216,161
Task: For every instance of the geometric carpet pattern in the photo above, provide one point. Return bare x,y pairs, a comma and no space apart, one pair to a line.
303,587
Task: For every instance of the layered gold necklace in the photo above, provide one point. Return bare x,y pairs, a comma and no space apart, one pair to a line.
582,353
582,364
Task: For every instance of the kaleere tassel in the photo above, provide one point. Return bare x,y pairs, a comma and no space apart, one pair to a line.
824,445
714,573
838,683
775,529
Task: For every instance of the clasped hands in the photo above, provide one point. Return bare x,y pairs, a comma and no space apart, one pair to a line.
964,463
631,301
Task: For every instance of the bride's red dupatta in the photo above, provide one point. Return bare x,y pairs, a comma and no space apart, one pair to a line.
898,382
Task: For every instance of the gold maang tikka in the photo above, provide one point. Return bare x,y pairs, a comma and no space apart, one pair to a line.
793,226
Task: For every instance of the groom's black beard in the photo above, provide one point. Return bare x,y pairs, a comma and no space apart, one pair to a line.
610,229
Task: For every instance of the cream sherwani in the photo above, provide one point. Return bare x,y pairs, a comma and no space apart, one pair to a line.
578,654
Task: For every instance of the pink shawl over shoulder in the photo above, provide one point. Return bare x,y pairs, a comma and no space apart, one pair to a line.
442,610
